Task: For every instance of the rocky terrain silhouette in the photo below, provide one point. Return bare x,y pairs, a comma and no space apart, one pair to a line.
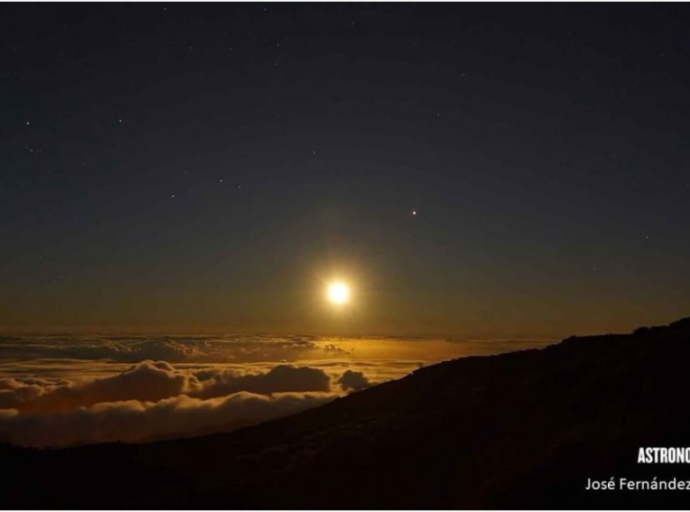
519,430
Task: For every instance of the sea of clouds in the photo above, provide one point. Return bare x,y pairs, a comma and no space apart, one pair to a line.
70,390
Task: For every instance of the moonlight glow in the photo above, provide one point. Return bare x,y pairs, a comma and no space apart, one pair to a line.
338,293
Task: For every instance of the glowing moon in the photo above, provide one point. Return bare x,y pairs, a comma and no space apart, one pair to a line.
338,293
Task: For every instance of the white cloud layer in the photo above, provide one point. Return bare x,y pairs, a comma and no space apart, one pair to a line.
134,420
153,399
64,390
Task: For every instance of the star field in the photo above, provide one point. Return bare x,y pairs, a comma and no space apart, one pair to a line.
476,169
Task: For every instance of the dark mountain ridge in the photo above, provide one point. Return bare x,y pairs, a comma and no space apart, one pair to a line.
519,430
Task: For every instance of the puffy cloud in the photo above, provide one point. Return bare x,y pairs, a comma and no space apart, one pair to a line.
152,381
153,399
128,350
133,421
167,348
353,381
146,381
9,383
61,390
281,378
13,398
68,359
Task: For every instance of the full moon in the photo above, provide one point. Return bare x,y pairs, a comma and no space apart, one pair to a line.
338,293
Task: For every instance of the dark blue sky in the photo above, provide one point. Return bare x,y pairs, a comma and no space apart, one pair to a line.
205,167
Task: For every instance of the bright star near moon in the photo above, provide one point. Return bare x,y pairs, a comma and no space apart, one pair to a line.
338,293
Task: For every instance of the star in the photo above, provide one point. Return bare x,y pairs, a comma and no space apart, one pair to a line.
414,213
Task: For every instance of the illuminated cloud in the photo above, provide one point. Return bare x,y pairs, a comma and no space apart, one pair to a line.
207,349
153,399
63,390
152,381
281,378
146,381
353,381
13,393
134,421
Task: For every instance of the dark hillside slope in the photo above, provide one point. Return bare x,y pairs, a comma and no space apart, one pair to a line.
519,430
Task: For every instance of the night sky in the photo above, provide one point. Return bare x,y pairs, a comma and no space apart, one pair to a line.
201,168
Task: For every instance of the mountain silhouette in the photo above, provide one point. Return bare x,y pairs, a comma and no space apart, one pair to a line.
519,430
